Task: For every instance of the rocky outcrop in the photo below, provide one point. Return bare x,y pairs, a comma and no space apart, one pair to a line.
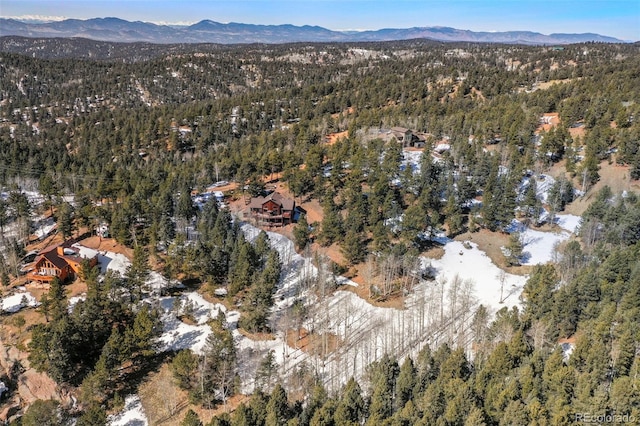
25,385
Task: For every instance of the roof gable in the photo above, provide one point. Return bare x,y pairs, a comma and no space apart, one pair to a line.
53,257
275,197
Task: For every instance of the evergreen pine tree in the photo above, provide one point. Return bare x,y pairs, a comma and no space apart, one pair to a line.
351,406
140,337
137,273
354,247
93,415
220,361
406,383
324,415
43,413
277,407
301,233
530,203
267,371
183,366
185,208
453,216
475,418
242,266
331,230
382,398
65,220
4,215
514,249
626,352
5,280
191,419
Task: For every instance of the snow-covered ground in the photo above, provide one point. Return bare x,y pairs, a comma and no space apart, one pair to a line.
568,222
17,301
44,226
132,415
73,301
492,287
544,183
108,261
435,311
411,159
176,334
539,246
567,350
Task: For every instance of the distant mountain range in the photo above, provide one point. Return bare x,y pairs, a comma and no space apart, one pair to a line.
119,30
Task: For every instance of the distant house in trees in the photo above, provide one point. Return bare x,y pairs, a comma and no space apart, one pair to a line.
403,135
408,138
62,262
273,210
419,141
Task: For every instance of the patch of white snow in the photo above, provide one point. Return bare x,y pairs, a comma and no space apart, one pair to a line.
15,302
132,415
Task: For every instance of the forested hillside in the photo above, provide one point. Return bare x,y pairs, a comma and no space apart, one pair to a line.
505,138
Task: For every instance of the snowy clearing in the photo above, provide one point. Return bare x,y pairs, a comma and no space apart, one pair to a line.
411,159
44,227
73,301
568,222
493,287
177,335
132,414
435,311
108,261
540,246
17,301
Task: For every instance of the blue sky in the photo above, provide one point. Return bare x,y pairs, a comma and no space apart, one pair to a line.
617,18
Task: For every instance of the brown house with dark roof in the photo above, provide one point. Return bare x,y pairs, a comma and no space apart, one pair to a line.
273,210
403,135
62,262
408,138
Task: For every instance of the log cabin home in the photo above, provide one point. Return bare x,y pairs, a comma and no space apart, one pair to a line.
273,210
62,262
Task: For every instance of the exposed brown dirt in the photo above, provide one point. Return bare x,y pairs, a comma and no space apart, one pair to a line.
363,291
576,132
571,339
332,138
477,93
547,84
29,385
166,404
313,343
491,243
434,252
106,244
256,337
552,120
348,111
612,175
